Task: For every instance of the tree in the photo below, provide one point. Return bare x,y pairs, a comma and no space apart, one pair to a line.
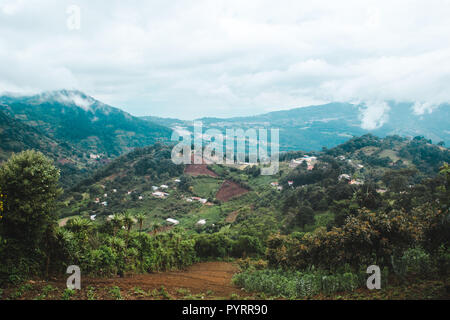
186,182
128,222
304,216
140,219
117,223
80,227
30,182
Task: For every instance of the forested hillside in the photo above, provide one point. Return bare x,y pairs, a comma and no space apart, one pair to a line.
82,121
310,230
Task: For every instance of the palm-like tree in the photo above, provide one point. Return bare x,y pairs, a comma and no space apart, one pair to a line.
81,229
140,219
117,222
128,221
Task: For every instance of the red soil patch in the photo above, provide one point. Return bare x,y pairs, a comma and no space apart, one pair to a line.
199,170
232,216
198,278
230,190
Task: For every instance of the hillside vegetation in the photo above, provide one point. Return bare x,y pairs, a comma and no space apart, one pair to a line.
309,230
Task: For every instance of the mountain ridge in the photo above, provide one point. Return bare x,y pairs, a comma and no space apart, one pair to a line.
83,121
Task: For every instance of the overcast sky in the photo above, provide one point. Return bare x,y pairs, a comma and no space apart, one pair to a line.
188,59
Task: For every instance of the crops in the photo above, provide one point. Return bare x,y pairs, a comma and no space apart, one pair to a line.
297,284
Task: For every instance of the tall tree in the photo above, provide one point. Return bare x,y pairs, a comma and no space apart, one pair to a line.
29,180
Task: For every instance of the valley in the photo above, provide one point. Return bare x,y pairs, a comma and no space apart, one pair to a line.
141,227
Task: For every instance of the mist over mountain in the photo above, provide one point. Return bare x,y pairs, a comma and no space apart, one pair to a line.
314,127
94,127
83,121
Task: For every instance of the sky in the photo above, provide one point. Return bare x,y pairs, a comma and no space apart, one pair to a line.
190,59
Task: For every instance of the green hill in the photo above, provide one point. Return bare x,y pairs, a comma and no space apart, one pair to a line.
311,128
82,121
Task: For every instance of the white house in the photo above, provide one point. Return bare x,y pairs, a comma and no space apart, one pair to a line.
201,222
160,194
163,186
172,221
344,176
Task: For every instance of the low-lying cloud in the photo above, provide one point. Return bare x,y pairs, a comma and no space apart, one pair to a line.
189,59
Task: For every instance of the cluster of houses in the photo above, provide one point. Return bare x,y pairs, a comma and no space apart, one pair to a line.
103,203
175,222
276,185
346,177
201,200
310,161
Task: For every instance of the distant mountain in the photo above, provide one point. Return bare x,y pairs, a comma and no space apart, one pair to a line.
314,127
84,122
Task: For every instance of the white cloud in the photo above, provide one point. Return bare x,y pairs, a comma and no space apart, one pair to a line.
374,115
198,58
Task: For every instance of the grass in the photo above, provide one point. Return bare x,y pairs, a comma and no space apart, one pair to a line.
206,187
115,293
67,294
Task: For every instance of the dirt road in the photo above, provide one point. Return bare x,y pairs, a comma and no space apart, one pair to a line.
213,277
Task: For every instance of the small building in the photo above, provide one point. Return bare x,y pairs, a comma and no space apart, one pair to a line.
141,197
201,222
93,217
274,184
177,180
104,203
172,221
163,186
310,161
344,176
160,194
290,183
155,188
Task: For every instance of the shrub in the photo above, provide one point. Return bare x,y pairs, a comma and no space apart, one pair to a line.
416,260
291,284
